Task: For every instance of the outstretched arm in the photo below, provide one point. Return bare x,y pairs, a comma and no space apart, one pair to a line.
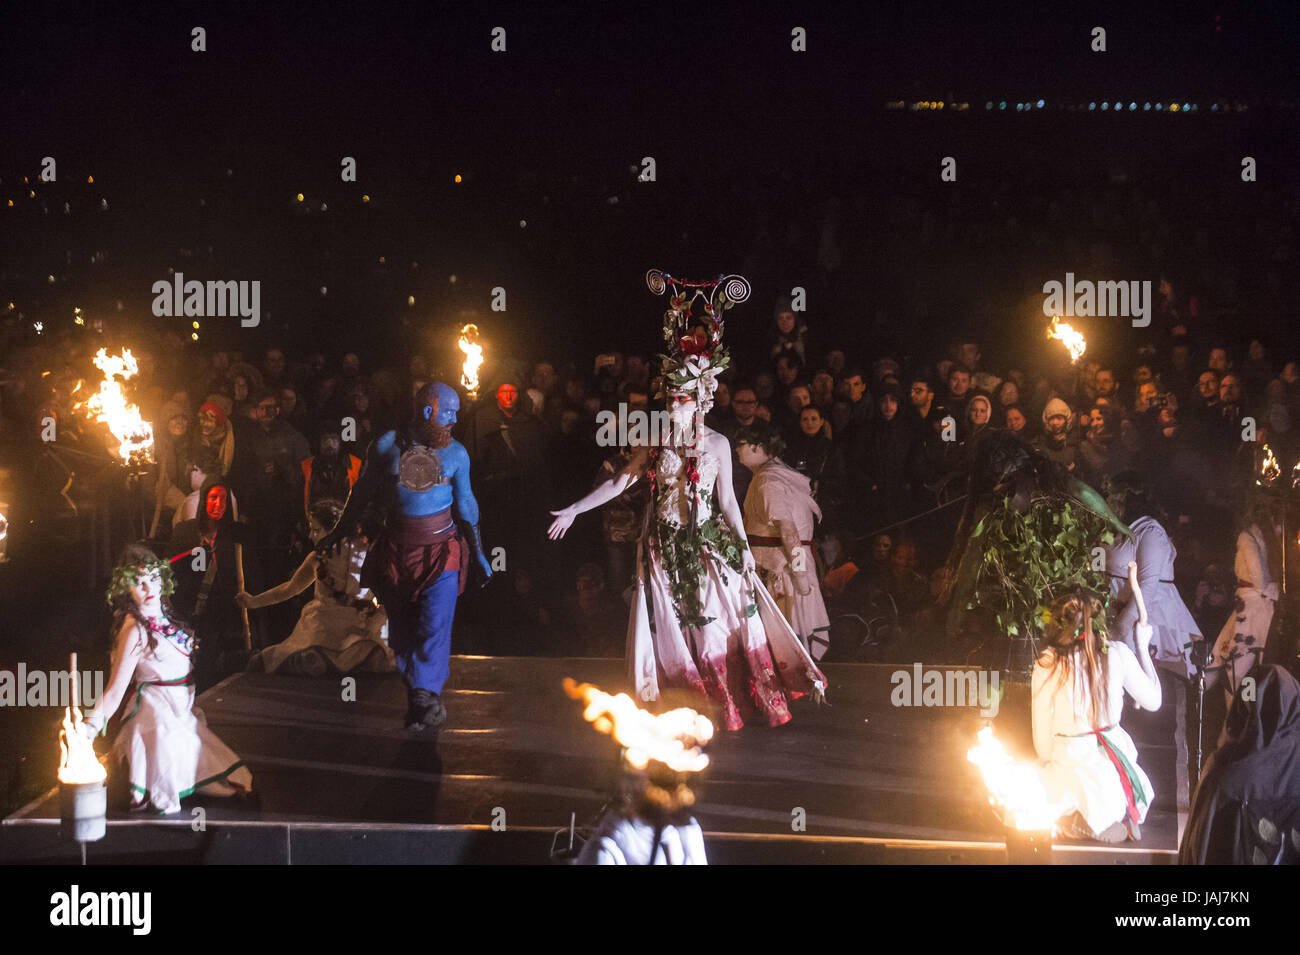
128,648
603,494
302,579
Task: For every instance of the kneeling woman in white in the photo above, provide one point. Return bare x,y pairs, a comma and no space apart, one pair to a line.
1078,687
163,738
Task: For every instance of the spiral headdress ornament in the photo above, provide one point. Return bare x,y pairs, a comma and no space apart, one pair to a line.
693,331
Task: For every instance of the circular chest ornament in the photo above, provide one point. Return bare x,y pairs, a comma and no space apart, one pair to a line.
419,469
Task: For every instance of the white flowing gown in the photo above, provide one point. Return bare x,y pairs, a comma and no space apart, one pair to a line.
747,657
341,623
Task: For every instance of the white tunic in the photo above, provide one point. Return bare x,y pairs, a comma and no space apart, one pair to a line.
1172,623
780,493
1078,775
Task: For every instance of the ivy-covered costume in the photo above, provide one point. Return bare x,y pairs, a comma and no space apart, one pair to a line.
164,739
697,621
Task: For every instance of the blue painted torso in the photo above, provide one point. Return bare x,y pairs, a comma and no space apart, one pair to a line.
385,454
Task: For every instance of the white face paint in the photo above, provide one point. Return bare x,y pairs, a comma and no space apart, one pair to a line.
752,456
147,594
681,412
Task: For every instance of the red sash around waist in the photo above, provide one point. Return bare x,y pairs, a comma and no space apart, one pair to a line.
412,553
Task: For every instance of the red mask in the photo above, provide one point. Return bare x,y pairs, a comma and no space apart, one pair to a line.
507,398
217,503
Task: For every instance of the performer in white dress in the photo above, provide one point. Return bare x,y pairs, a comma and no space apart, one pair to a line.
701,619
780,515
1257,566
1175,630
342,629
164,739
1077,692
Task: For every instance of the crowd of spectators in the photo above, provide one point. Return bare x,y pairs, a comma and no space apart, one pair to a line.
887,442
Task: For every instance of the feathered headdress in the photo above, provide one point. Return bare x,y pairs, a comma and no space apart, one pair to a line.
695,355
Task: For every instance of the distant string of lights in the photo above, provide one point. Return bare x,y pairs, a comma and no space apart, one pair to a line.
1105,106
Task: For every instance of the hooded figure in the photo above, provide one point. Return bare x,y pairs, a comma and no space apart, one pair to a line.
206,565
1247,807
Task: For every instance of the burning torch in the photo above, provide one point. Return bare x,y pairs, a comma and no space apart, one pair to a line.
469,344
83,798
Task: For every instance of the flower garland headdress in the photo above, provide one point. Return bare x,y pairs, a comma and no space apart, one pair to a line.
695,355
125,576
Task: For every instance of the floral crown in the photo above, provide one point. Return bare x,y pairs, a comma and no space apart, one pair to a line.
695,354
125,576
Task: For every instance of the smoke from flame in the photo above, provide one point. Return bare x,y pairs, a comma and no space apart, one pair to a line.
1074,341
1016,788
77,762
110,406
468,343
674,738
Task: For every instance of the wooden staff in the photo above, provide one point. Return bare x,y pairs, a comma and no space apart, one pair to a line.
1137,591
239,581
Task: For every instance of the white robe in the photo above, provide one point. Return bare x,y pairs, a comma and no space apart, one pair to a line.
1077,774
1246,630
622,841
342,636
1172,623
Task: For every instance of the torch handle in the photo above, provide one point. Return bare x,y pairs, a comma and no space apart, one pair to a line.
239,580
1137,591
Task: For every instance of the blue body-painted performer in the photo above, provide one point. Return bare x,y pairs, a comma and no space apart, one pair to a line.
419,563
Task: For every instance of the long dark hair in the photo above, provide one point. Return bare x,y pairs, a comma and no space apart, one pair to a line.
1073,641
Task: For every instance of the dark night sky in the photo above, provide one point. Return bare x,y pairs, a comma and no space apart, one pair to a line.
416,95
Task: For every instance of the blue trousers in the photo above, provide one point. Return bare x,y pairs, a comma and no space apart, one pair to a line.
420,632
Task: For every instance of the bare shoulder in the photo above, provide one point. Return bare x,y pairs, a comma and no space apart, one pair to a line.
132,635
715,442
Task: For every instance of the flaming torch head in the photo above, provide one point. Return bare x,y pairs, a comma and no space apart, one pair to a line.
473,352
1015,789
659,752
110,406
77,762
1269,469
1073,341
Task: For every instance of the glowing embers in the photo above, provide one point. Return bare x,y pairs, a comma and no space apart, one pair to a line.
1065,333
110,406
676,738
473,352
1015,789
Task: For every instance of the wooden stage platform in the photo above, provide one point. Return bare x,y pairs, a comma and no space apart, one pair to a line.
341,781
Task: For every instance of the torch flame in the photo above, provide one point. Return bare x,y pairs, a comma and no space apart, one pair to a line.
1074,341
473,358
1015,787
1269,469
674,738
77,762
109,406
